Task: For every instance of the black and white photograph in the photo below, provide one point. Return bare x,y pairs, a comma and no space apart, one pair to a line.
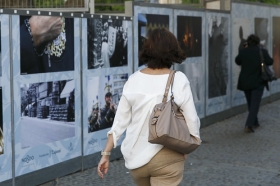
189,35
104,94
146,23
46,44
1,125
218,53
47,112
261,30
107,43
276,46
194,73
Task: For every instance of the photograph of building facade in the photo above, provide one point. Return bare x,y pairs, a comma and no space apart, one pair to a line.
47,112
53,100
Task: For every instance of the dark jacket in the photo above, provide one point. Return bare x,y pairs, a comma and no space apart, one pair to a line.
250,61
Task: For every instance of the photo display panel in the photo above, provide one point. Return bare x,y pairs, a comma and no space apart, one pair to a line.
262,30
46,78
275,21
145,20
190,32
5,100
243,26
218,62
107,64
253,19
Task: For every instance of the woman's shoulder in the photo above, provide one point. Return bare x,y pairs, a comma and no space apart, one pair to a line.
134,75
181,77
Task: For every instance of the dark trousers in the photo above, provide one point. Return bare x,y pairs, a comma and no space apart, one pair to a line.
253,97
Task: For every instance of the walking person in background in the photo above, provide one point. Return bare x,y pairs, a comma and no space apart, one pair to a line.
151,164
250,80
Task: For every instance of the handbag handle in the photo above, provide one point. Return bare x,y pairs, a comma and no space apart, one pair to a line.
168,85
261,54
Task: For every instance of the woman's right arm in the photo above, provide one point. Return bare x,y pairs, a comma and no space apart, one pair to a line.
121,120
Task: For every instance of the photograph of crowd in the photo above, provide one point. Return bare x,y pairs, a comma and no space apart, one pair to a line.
104,93
189,34
1,125
107,43
146,23
276,46
47,112
218,53
46,44
261,30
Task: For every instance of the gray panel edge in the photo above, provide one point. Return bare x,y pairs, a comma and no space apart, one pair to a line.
50,173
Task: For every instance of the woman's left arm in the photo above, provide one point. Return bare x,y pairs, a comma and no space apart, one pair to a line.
103,164
268,60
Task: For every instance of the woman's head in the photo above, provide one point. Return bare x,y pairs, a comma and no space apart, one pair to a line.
253,40
161,50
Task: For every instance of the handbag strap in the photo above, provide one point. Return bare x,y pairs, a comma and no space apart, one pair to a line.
168,85
261,54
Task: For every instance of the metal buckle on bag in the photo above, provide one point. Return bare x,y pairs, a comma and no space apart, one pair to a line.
154,120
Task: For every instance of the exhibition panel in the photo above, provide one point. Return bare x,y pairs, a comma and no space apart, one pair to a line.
217,62
145,20
46,84
190,32
275,32
5,100
107,64
248,19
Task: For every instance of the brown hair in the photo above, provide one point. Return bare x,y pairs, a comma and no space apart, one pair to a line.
161,50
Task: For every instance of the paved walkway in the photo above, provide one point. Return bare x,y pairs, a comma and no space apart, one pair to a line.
227,157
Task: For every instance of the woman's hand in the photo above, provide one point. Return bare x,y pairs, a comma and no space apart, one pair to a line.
103,166
185,156
45,29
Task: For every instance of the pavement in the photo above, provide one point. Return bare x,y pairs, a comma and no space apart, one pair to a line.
227,157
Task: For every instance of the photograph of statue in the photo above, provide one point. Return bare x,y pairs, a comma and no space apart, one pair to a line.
261,30
107,43
218,53
46,44
146,23
189,35
104,94
47,112
276,45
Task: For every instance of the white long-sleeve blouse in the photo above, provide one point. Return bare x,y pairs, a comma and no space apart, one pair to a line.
140,94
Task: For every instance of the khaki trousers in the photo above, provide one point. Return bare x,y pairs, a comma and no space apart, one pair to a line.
165,169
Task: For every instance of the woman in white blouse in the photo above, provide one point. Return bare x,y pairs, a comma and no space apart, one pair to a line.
151,164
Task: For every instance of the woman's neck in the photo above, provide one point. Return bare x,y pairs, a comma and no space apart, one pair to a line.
156,71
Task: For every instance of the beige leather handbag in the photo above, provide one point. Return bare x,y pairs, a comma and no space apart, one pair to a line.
168,127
